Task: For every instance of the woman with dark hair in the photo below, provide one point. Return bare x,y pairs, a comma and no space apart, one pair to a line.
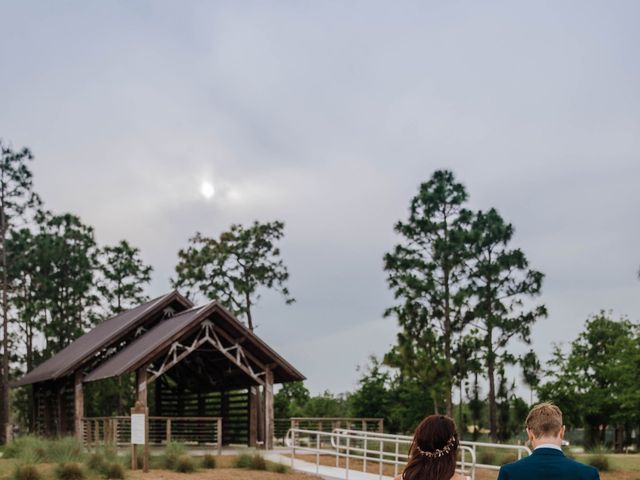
434,451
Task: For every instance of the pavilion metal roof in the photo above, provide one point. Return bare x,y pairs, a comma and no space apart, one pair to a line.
154,343
101,336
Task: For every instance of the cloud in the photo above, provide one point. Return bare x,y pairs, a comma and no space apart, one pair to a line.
328,116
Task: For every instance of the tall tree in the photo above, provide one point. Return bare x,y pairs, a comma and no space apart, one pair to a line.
427,271
531,370
124,276
16,198
596,381
66,253
501,281
232,268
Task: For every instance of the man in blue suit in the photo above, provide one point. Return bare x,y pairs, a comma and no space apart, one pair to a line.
547,462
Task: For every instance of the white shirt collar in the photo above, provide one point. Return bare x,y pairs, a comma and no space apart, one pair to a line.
548,445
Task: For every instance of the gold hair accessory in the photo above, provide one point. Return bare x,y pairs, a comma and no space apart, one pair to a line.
440,451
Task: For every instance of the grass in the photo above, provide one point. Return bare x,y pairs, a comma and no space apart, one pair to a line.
26,471
69,471
209,461
172,452
185,464
32,449
116,471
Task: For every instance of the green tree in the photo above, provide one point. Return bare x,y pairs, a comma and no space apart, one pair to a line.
419,359
428,270
501,281
531,371
596,377
374,396
124,276
232,268
25,278
291,400
16,199
66,256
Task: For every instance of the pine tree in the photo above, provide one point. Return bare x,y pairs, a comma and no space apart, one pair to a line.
17,198
428,270
501,281
232,268
123,277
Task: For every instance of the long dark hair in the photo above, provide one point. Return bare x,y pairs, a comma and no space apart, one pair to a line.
434,450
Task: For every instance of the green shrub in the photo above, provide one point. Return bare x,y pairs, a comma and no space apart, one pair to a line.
29,449
185,464
26,471
208,461
65,450
600,461
278,468
97,462
250,461
114,471
487,457
243,460
69,471
172,452
509,457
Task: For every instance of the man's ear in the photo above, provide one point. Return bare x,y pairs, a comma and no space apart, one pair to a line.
562,430
530,435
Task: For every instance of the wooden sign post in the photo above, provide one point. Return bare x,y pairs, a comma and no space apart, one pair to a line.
140,435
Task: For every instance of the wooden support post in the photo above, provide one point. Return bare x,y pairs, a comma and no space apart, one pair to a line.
254,404
268,409
141,386
78,406
219,435
141,406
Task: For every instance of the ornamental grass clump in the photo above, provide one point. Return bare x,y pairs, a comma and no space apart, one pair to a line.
26,471
600,461
65,450
114,471
208,461
69,471
27,449
278,468
172,452
250,461
185,464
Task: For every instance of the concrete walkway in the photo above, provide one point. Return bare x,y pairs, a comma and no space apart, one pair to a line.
327,473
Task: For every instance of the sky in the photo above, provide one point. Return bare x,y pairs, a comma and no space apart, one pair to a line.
327,116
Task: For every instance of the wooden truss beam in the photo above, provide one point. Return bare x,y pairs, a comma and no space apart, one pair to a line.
209,335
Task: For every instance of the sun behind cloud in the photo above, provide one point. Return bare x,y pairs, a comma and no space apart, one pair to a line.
207,190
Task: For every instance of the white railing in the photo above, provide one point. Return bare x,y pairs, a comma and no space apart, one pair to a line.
370,448
519,450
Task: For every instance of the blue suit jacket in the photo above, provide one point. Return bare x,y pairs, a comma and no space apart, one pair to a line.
547,464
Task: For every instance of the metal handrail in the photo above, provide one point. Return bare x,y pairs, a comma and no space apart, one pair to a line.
520,449
355,451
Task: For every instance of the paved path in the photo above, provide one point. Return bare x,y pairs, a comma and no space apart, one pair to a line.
328,473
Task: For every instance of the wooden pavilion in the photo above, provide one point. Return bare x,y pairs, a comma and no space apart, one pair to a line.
199,361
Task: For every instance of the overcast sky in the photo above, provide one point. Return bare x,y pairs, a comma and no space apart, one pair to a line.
327,115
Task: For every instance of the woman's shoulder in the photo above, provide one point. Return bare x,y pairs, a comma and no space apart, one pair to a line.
457,476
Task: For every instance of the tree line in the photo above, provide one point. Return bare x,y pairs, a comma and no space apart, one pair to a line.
57,281
463,295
